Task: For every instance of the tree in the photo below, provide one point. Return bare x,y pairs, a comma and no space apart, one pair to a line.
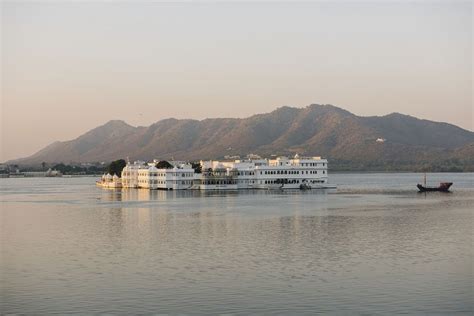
62,168
69,169
163,164
197,167
116,166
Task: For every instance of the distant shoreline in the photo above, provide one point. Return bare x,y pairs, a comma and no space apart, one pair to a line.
384,171
330,172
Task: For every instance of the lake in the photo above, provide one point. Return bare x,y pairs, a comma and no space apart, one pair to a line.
373,246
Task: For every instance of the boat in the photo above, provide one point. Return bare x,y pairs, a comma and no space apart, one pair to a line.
443,187
305,186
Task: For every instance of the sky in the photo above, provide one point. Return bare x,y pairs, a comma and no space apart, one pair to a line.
70,66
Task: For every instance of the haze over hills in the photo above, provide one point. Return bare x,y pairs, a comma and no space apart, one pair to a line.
349,141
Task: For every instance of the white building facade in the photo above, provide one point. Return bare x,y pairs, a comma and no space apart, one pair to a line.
255,173
147,176
281,172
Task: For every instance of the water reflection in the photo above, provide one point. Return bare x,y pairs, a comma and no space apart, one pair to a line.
188,252
113,195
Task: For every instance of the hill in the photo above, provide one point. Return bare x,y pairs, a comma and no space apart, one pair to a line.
349,141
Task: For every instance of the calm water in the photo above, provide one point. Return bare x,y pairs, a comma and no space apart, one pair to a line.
374,246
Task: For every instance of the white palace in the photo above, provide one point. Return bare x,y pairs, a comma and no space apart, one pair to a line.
251,173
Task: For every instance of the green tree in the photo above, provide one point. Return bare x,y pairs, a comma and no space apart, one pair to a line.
61,167
116,166
197,167
163,164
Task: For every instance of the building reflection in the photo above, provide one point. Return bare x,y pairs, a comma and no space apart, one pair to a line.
210,215
111,195
186,228
126,194
281,222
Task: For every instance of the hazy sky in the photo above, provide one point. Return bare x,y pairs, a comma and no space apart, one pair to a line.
69,67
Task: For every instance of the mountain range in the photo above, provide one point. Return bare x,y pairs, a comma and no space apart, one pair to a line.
350,142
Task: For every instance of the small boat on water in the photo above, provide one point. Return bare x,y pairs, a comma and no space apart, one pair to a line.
443,187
